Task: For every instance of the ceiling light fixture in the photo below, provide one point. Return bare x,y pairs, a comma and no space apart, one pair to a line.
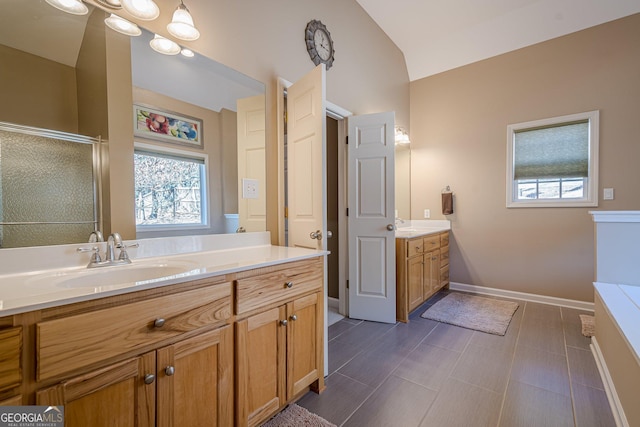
164,45
75,7
145,10
111,4
181,26
187,52
122,26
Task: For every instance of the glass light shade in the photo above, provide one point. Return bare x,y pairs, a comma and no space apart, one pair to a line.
181,26
111,4
145,10
75,7
122,26
402,137
187,52
164,46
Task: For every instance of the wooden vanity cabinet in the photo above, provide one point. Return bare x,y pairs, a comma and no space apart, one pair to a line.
10,356
422,269
185,376
279,343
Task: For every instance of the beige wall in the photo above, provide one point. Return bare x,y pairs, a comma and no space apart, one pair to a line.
37,92
458,138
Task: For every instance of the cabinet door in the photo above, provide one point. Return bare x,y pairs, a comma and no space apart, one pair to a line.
434,277
304,344
195,381
415,274
431,273
113,396
260,364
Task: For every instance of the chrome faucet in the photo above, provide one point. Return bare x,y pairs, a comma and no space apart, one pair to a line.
114,241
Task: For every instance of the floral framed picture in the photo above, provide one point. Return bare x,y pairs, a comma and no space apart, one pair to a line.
166,126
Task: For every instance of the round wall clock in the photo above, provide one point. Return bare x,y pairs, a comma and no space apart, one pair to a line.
319,43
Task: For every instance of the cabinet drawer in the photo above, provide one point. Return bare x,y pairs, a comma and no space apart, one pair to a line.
10,352
73,342
265,286
444,255
444,239
414,247
431,242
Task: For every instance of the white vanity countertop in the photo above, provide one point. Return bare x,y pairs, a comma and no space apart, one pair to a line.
416,228
28,287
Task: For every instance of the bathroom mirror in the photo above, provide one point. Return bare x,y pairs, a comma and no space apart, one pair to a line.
48,43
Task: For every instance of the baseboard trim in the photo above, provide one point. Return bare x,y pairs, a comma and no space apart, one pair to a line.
614,401
523,296
333,302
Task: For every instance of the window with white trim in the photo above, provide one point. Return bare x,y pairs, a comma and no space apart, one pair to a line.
170,188
553,162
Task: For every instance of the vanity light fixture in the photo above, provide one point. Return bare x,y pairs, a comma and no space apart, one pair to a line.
145,10
401,136
111,4
187,52
181,26
122,26
164,45
75,7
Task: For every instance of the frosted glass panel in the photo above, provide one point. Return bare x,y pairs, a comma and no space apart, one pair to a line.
46,190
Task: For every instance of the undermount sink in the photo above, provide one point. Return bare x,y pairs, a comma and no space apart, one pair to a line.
112,276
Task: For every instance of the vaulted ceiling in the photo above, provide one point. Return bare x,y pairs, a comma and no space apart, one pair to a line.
439,35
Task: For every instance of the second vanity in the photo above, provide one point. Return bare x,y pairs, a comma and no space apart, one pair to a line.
422,264
226,334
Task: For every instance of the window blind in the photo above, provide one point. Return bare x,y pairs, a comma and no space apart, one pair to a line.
552,152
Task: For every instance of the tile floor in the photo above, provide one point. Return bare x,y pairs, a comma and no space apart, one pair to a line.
425,373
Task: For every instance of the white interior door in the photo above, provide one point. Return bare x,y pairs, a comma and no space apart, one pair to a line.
371,171
252,215
306,161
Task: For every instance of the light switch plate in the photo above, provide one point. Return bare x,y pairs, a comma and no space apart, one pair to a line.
249,188
608,194
427,214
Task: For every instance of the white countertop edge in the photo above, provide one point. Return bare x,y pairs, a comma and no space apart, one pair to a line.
279,255
615,216
624,311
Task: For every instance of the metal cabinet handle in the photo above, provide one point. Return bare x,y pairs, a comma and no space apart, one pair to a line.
149,378
316,235
169,370
284,322
391,227
288,285
293,317
159,322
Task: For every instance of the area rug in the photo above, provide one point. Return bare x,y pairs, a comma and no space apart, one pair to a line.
468,311
588,325
297,416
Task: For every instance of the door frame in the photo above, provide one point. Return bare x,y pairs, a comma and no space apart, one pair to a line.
340,114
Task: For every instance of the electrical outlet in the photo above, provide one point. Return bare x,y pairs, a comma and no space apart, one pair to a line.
427,214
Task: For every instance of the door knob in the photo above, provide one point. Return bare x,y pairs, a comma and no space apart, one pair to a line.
316,235
329,234
391,227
